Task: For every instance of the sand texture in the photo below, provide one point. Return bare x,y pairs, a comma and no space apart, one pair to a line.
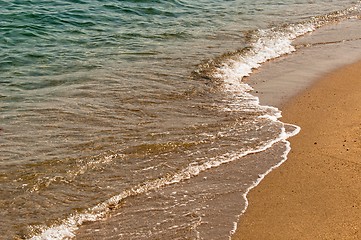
316,194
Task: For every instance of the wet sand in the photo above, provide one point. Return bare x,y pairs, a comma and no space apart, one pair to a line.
316,193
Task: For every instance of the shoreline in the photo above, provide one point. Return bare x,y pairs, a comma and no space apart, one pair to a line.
318,53
315,194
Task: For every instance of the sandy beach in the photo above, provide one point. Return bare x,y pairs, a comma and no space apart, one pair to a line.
316,194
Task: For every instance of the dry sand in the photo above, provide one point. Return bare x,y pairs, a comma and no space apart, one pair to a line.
316,194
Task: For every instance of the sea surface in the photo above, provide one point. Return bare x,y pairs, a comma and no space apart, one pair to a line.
129,119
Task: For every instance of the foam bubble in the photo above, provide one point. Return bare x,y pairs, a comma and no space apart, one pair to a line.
67,229
262,176
269,44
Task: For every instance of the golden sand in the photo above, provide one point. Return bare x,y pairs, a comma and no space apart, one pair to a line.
316,194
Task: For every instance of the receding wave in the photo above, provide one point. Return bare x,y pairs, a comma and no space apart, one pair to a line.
100,108
227,71
264,45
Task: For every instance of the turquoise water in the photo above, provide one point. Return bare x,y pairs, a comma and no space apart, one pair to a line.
52,38
120,110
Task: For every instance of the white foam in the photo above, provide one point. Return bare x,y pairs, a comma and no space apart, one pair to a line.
67,229
262,176
270,44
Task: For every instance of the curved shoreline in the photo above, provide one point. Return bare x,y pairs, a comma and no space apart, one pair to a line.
316,193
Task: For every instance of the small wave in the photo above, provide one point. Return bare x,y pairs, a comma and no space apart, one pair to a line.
264,45
69,226
262,176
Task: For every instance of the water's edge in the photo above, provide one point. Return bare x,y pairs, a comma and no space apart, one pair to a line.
328,48
171,166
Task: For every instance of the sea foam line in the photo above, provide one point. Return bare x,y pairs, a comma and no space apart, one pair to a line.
67,229
270,44
262,176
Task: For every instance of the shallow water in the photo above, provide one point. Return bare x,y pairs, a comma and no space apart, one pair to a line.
116,113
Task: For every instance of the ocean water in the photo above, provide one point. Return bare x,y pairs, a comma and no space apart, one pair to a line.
130,120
